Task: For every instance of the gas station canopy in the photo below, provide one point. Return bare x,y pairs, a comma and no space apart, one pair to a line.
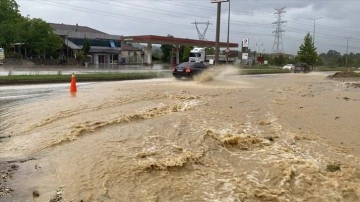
152,39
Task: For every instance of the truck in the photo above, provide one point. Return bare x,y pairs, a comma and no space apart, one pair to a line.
2,56
199,55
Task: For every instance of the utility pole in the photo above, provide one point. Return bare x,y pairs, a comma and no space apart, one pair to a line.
228,31
347,50
278,45
314,28
217,33
217,28
228,34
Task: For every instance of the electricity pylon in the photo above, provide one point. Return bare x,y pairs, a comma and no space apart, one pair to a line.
201,34
278,43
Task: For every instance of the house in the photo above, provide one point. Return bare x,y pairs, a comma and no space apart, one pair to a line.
131,55
104,48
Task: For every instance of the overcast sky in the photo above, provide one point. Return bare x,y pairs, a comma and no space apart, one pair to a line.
337,21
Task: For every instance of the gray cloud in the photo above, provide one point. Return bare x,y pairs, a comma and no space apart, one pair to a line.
249,18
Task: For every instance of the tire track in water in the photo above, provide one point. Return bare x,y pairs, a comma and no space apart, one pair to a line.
60,133
66,114
79,129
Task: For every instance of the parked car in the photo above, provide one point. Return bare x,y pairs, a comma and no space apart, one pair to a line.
188,69
289,66
301,67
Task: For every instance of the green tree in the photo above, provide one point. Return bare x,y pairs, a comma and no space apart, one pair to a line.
307,52
9,20
185,53
9,11
279,60
210,51
330,58
269,58
36,35
167,51
40,40
86,46
82,55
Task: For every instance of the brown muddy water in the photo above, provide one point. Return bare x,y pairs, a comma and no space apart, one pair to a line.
221,137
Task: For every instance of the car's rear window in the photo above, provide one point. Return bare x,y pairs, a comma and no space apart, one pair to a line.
186,64
199,65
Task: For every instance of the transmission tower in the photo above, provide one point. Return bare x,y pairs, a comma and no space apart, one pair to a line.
278,33
201,35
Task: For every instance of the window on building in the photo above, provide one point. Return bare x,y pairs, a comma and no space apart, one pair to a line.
102,59
112,44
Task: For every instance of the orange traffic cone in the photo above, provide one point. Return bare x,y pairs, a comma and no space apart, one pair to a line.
73,84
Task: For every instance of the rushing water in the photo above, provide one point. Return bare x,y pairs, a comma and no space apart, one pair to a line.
218,138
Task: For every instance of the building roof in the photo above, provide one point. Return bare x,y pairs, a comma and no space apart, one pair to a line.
77,31
74,28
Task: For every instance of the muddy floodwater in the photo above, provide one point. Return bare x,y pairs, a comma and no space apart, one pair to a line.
222,137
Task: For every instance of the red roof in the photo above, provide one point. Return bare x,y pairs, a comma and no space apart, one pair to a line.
176,41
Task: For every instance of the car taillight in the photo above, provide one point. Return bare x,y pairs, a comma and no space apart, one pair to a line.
187,70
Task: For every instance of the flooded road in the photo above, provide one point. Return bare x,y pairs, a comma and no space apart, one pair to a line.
222,137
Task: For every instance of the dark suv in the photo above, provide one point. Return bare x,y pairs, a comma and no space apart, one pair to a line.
301,67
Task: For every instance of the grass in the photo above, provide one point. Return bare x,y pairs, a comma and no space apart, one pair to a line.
106,76
119,76
35,79
322,68
263,71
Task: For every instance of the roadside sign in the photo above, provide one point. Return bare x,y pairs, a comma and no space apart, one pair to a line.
245,42
245,56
